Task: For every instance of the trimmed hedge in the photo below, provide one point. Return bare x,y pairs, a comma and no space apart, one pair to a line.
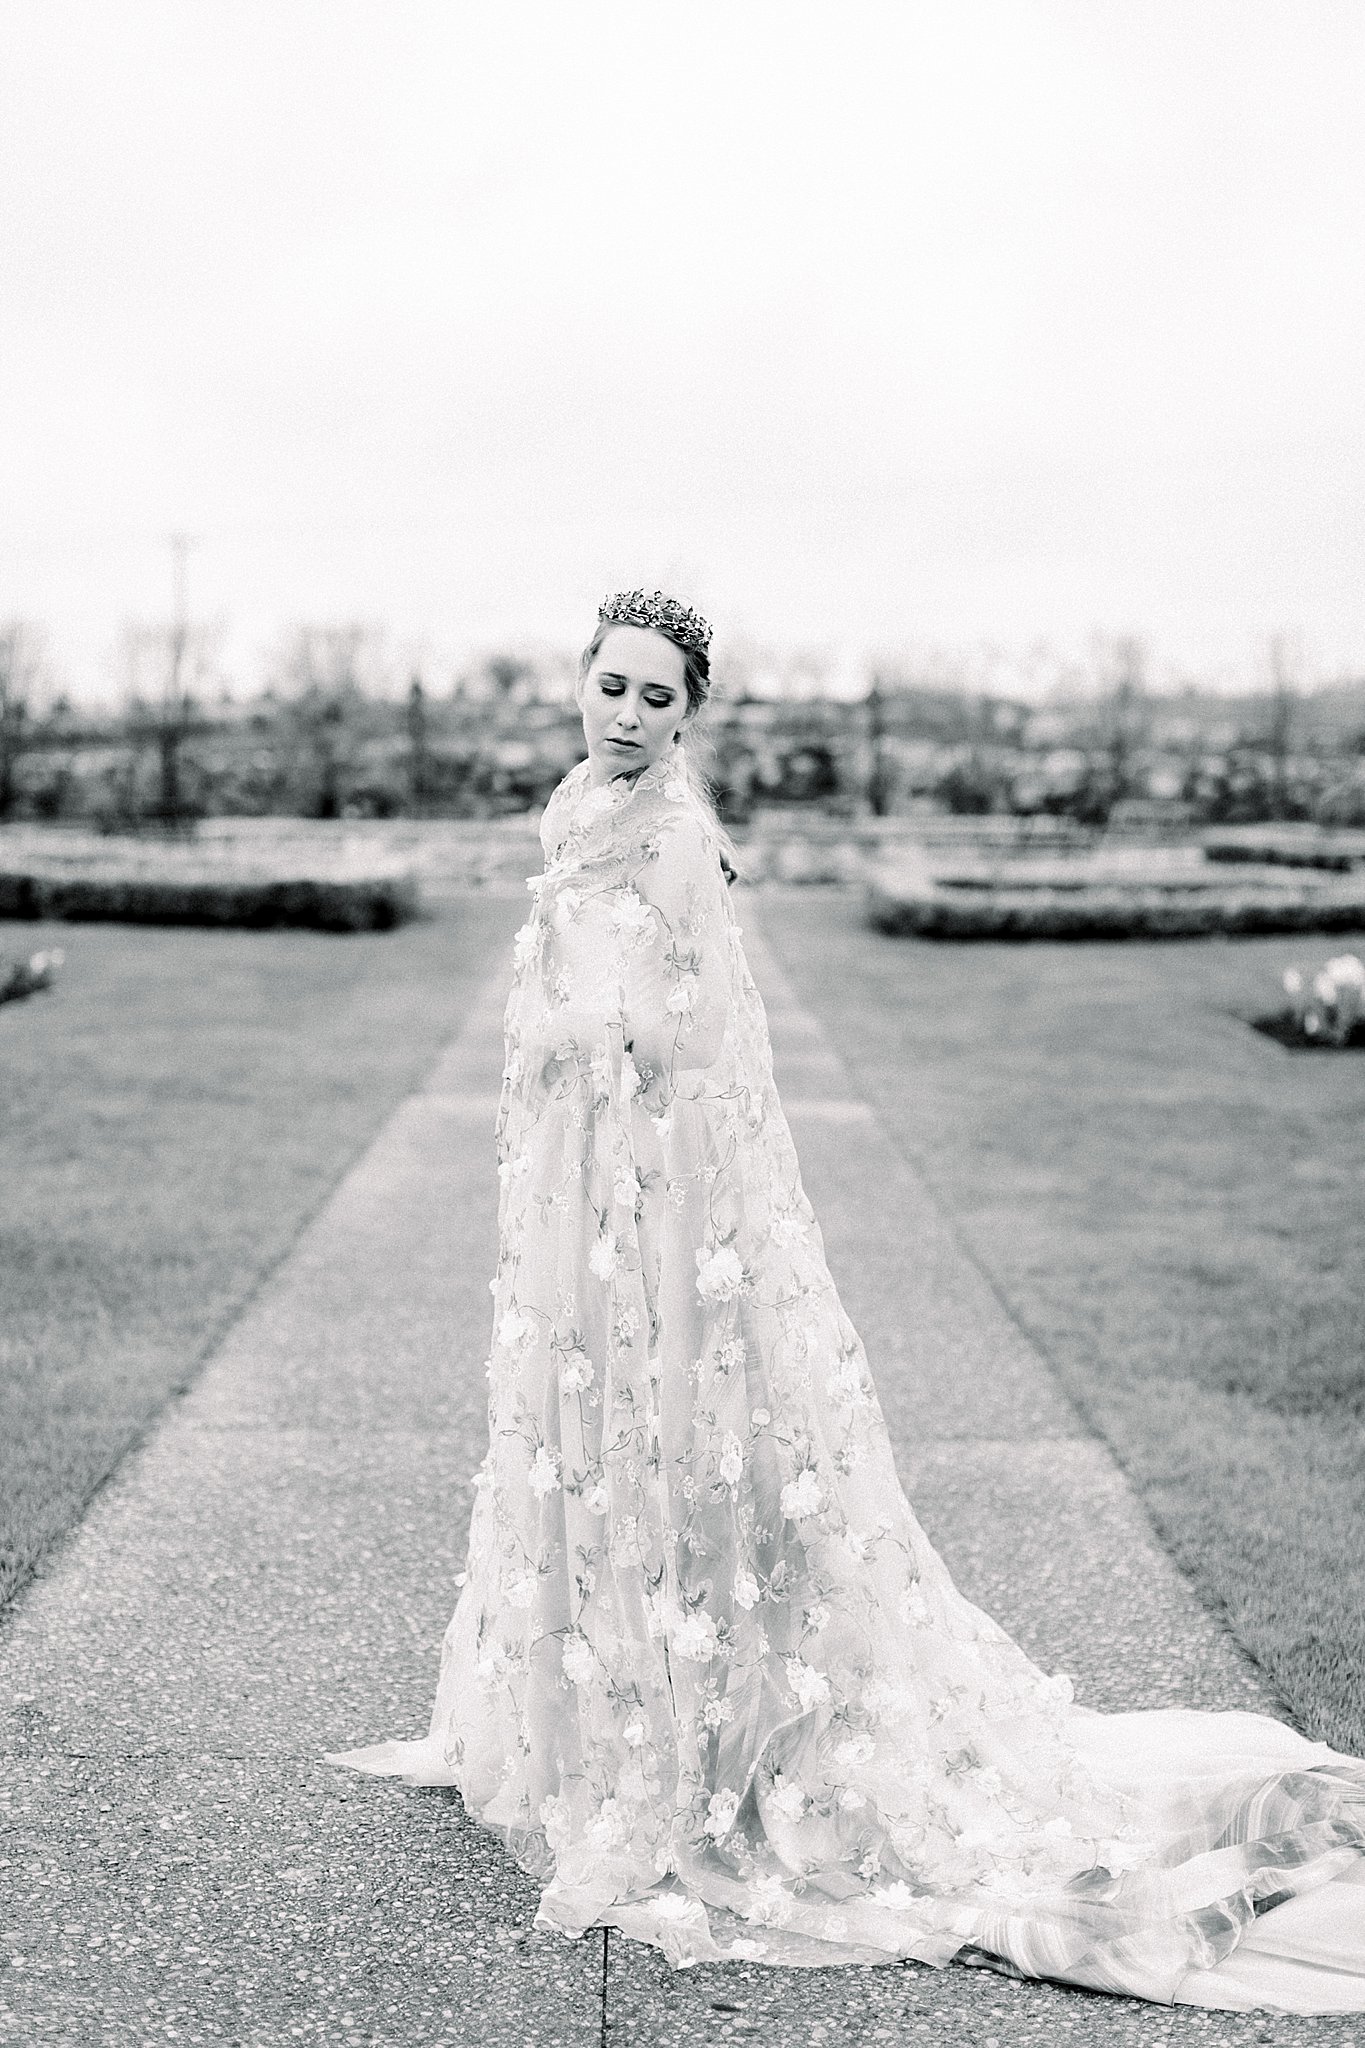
1290,846
350,904
912,903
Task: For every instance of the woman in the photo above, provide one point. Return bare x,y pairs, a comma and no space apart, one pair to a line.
707,1677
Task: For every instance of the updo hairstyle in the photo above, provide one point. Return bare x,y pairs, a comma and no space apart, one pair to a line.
696,662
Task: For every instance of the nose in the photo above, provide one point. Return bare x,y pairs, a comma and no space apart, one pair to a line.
629,714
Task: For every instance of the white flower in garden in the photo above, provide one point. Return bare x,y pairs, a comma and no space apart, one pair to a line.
715,1713
695,1638
851,1801
761,1418
1293,981
675,789
788,1798
720,1813
747,1594
855,1543
521,1591
579,1661
556,1820
544,1474
802,1496
526,945
731,1459
720,1273
491,1665
810,1686
681,998
664,1124
602,1257
785,1230
898,1897
1324,988
630,1078
676,1192
1346,971
631,917
748,1951
634,1732
627,1187
817,1617
598,1500
575,1371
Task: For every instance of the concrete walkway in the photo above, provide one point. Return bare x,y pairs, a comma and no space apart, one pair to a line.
271,1575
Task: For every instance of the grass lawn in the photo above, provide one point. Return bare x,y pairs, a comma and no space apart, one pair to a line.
1174,1207
171,1115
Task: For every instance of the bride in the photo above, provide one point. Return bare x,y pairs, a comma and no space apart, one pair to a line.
707,1677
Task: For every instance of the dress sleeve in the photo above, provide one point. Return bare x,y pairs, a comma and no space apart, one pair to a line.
676,979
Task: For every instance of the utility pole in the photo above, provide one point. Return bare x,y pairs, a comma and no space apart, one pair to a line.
417,741
877,792
175,703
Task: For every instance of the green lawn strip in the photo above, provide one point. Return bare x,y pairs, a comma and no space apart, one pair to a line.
1174,1207
172,1114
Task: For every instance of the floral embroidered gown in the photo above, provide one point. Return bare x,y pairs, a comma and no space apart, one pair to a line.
707,1677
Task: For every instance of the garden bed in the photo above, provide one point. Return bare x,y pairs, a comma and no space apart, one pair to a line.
1284,1029
1152,894
1294,846
80,877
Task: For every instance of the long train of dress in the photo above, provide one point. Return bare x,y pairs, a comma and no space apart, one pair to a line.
706,1676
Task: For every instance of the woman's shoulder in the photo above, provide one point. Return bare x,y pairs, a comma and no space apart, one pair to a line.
570,784
564,797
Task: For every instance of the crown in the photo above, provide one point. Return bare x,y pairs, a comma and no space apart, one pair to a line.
664,614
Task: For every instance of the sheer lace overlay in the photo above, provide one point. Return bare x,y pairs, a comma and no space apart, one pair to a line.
707,1676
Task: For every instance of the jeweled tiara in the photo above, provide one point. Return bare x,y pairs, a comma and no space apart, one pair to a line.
652,608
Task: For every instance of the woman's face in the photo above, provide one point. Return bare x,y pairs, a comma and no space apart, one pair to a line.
633,700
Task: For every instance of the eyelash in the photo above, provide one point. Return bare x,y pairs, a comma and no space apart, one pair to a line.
618,690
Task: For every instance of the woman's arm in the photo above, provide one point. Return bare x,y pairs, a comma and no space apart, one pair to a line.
676,943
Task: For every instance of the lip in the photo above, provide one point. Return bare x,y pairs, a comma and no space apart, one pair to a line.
612,741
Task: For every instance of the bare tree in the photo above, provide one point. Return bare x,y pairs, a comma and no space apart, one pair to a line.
321,678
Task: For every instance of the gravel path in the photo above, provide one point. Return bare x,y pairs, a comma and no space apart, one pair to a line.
269,1577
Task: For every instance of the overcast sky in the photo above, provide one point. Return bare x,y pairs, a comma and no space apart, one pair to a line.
867,324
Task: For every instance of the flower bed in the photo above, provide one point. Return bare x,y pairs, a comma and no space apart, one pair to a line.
82,877
27,977
1159,898
1324,1012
